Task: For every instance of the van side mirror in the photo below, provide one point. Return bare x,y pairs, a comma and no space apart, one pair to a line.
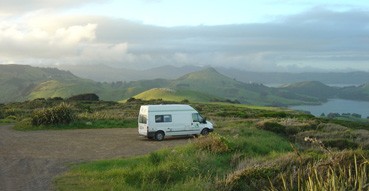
203,120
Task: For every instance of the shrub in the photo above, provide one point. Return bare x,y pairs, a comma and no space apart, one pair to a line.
87,97
240,114
274,127
341,144
11,117
155,158
56,98
185,101
214,143
24,124
249,179
61,114
278,114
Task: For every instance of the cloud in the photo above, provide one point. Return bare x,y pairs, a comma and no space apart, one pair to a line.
18,41
318,38
14,7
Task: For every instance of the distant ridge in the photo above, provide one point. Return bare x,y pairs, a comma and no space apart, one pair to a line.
20,82
104,73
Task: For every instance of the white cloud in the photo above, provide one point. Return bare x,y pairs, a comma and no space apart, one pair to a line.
316,36
16,7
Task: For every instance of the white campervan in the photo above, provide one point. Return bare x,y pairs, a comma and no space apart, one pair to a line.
157,121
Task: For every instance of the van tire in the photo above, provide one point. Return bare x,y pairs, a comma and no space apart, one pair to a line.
159,136
205,131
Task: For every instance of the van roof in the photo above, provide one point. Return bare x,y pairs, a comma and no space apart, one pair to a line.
174,107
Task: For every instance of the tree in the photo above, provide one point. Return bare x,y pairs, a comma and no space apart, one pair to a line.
356,115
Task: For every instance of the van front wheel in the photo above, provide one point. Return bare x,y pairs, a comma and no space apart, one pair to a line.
159,136
205,132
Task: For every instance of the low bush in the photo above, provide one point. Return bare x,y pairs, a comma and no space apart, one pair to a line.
214,143
274,127
61,114
24,124
249,179
155,158
341,144
277,114
87,97
240,114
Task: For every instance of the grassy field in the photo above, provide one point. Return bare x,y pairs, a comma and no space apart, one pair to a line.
252,148
183,168
241,155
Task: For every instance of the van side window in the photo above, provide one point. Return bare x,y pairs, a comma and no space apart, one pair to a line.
196,117
142,119
163,118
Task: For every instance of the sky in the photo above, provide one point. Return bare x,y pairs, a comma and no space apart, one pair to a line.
263,35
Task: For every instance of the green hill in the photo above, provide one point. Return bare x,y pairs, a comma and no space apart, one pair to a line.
17,82
312,88
169,94
20,82
355,93
211,82
62,88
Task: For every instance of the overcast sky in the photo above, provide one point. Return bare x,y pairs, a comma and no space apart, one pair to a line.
262,35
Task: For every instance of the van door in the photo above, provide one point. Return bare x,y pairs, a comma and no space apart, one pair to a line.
196,119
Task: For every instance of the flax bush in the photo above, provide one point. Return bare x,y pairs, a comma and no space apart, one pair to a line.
61,114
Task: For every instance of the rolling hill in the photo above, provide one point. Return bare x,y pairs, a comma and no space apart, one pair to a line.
105,73
212,82
176,95
20,82
312,88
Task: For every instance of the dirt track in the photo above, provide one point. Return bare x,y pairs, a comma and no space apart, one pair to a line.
30,160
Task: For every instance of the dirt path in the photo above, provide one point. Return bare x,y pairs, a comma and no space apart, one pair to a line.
30,160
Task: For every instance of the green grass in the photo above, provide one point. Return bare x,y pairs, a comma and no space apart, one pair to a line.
182,168
7,122
242,157
250,106
97,124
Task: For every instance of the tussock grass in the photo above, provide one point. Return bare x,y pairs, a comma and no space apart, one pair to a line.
334,171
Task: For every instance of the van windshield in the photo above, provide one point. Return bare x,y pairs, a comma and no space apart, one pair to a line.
196,117
142,119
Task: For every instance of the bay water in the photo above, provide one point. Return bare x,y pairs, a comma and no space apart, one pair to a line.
336,106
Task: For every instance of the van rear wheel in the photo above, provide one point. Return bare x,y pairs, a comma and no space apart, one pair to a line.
205,132
159,136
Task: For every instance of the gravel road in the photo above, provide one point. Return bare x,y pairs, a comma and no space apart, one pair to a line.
30,160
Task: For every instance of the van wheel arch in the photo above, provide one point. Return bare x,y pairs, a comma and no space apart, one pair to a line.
205,131
159,136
